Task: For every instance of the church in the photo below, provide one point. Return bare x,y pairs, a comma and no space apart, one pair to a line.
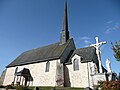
58,64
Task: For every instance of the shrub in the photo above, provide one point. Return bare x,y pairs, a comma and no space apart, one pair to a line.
1,86
100,84
110,85
21,88
9,87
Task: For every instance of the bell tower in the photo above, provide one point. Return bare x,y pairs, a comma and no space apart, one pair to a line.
64,33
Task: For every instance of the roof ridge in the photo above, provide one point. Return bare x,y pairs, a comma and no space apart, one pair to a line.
85,47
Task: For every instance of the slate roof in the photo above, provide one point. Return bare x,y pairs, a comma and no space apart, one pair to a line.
50,52
88,54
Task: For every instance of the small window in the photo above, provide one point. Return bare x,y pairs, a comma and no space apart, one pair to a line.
47,66
76,64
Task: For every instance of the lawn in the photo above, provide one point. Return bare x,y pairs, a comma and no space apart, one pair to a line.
57,88
40,88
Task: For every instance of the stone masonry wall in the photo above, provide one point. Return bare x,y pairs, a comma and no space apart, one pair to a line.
2,77
37,70
78,78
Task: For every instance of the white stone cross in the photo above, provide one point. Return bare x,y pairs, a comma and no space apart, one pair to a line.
97,46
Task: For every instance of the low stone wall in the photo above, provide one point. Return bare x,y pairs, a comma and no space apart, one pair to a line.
99,77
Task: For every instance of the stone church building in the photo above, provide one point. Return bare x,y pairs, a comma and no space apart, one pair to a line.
58,64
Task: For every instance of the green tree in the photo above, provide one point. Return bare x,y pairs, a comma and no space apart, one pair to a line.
116,50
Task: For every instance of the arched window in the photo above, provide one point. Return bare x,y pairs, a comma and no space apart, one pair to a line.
76,64
47,66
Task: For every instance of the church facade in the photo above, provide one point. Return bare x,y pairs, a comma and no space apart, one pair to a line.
58,64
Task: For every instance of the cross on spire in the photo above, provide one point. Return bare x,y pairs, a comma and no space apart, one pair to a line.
97,46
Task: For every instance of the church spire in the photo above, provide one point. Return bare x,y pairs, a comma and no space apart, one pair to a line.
64,33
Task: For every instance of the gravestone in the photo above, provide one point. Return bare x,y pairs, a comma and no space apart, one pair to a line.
87,88
36,88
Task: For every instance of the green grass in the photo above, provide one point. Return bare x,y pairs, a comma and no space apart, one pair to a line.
57,88
41,88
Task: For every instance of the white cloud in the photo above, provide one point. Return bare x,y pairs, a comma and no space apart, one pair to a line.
116,27
109,22
111,27
86,45
84,38
108,31
86,41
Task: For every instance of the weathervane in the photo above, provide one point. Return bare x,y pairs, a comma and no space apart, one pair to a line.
97,46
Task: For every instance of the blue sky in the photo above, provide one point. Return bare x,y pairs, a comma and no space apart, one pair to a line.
28,24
